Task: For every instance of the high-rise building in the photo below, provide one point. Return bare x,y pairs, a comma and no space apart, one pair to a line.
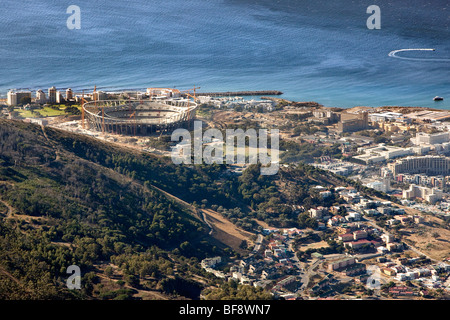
69,94
40,97
18,97
59,97
12,98
52,95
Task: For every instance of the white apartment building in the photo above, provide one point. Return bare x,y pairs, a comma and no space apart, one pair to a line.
40,97
381,153
428,194
382,186
424,139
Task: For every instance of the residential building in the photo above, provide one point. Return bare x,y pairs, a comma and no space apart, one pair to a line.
353,216
389,271
52,95
383,186
359,234
40,97
286,281
336,220
346,237
323,283
359,244
384,210
59,97
401,291
69,94
388,238
340,264
355,269
15,98
318,212
429,165
210,262
431,195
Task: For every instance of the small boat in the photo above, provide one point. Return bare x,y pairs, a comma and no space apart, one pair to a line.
438,98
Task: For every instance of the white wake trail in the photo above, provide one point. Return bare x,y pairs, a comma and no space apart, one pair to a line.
394,55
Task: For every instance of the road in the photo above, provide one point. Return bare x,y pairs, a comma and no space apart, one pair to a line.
307,275
258,243
211,229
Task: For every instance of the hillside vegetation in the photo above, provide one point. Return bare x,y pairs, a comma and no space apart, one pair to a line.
70,207
69,199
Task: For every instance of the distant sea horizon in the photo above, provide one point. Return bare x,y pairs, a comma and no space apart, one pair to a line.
318,51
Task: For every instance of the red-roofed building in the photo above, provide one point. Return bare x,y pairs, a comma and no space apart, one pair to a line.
401,291
358,244
345,237
360,234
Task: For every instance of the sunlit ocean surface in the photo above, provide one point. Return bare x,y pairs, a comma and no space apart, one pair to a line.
311,50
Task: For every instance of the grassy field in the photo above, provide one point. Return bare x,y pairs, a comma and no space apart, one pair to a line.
49,112
26,113
42,113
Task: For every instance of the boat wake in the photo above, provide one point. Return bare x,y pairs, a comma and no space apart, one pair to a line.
394,55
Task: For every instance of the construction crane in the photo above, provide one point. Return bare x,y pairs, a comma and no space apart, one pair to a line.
83,101
194,96
94,94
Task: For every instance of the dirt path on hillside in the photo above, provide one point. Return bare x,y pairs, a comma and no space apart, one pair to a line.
220,228
10,209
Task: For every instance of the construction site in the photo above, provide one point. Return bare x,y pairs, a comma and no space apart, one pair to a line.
164,109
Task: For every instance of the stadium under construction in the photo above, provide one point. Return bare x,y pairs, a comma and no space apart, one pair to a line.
161,112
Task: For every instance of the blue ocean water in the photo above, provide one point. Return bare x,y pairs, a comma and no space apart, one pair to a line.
311,50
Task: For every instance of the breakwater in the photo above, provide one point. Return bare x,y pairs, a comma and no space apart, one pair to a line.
240,93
